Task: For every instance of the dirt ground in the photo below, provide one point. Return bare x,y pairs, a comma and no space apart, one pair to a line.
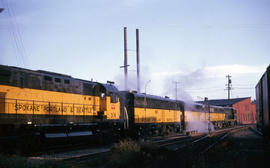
242,149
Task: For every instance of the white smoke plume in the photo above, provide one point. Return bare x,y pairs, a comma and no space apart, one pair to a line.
194,122
187,80
132,80
184,80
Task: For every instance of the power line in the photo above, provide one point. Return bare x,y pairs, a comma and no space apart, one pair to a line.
244,88
208,88
18,41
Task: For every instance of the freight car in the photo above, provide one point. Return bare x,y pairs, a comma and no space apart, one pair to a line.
263,103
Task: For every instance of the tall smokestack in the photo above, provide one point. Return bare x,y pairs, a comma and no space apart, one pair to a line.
125,57
138,60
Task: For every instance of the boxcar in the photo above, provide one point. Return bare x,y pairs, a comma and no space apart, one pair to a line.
263,103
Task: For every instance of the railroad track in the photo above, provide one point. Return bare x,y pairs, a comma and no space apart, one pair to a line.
195,145
81,160
174,142
199,143
76,153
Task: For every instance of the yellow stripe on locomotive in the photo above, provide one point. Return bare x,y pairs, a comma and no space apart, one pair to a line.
16,100
150,115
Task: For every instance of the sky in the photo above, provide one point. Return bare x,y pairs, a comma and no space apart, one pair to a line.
193,42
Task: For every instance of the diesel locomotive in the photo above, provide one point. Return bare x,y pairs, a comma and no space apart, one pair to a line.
39,106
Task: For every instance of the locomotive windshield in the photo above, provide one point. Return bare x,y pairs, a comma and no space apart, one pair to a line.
113,98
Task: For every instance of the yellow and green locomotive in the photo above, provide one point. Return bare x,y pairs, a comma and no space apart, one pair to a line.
200,117
44,105
153,115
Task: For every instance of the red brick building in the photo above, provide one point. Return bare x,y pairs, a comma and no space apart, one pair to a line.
245,110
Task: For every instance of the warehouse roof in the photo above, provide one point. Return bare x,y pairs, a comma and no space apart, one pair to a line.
224,102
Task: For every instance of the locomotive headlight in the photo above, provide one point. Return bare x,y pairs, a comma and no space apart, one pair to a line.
29,122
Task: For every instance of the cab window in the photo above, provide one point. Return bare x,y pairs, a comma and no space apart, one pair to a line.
113,98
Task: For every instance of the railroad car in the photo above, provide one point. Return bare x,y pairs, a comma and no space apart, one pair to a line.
153,115
263,103
38,105
198,116
223,116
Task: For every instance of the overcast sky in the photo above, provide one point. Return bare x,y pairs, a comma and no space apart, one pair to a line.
194,42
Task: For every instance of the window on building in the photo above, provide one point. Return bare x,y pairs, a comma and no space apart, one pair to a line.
246,107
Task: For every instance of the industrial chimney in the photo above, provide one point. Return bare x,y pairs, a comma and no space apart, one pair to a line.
138,60
125,57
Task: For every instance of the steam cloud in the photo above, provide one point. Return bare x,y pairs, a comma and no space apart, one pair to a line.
132,80
186,80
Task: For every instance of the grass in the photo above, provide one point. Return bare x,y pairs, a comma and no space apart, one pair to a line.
131,154
13,161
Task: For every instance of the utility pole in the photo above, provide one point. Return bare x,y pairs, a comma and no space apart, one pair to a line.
207,110
176,83
125,56
229,87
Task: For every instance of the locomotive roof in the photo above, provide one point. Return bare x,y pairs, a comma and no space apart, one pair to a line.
53,73
36,71
42,72
196,105
109,87
142,95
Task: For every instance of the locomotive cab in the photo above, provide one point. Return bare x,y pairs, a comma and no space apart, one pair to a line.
109,101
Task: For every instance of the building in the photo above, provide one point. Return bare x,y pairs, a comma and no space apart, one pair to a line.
245,109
